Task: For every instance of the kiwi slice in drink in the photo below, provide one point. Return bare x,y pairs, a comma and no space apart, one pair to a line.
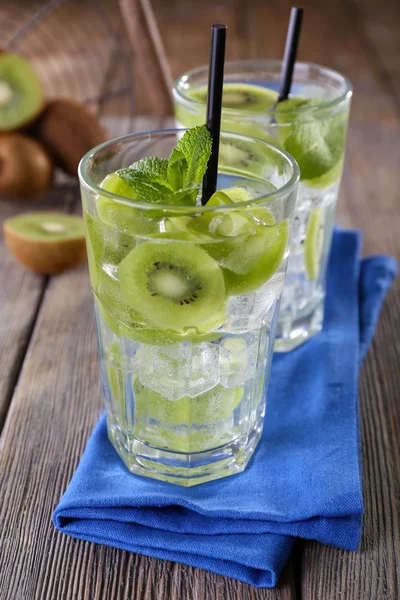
206,409
241,96
242,154
21,94
313,245
125,218
172,285
251,263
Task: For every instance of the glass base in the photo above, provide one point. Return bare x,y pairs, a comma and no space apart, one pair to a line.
186,469
293,333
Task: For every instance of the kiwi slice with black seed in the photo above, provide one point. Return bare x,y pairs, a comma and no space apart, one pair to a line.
21,94
46,242
172,285
313,245
248,155
241,96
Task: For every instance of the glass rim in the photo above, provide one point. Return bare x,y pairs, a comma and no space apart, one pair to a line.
286,188
346,94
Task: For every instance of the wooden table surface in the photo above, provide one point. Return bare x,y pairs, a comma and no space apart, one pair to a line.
50,396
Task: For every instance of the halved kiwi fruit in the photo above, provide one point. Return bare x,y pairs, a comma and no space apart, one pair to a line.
26,170
69,130
47,243
313,245
21,94
172,285
240,96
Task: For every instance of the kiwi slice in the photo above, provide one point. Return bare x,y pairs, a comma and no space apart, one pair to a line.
313,245
46,242
209,408
109,246
240,96
251,263
120,216
242,154
173,285
21,94
26,170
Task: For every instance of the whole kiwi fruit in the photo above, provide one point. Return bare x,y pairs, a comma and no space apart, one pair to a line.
69,130
26,169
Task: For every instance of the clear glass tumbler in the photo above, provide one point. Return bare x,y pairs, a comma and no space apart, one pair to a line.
311,127
186,302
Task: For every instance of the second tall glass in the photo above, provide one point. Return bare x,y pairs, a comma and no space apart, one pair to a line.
311,126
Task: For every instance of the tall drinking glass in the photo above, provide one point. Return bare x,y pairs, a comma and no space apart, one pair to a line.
186,302
311,126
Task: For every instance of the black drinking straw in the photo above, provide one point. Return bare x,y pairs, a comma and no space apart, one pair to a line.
214,106
292,42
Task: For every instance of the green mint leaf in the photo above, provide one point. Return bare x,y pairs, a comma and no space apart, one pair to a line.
147,189
177,172
195,148
185,196
153,168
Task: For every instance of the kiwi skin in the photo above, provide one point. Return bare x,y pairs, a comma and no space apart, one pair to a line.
26,169
68,130
47,257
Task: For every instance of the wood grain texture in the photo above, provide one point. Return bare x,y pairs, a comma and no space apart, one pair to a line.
150,55
21,293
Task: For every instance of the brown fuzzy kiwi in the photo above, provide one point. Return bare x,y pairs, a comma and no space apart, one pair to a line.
69,130
47,243
26,169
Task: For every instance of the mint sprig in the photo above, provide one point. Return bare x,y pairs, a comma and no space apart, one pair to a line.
176,180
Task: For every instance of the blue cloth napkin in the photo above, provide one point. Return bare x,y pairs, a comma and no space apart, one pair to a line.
304,479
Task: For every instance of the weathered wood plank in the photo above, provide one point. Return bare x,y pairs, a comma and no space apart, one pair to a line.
150,55
20,296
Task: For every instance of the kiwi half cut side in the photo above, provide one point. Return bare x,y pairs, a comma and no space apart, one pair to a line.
172,285
21,94
48,243
313,245
241,96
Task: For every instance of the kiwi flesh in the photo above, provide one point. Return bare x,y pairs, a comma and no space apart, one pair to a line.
21,93
69,130
241,96
45,242
172,285
313,245
26,169
121,216
250,264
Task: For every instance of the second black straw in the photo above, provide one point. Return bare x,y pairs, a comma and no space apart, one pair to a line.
289,59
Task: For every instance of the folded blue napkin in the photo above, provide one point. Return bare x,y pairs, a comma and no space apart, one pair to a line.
304,479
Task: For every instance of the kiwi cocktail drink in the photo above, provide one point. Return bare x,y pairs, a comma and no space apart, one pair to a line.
186,296
311,126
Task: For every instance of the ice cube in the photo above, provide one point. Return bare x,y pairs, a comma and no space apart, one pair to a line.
239,359
179,370
249,311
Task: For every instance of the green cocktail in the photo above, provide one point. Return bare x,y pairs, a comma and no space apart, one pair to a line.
186,297
311,126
